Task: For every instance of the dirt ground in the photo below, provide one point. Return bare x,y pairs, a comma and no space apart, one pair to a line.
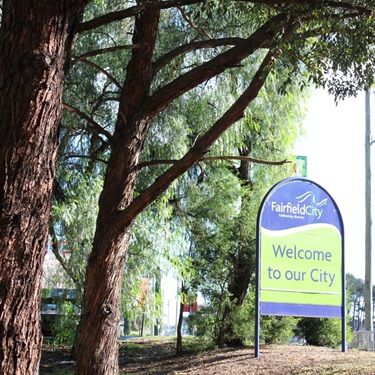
158,357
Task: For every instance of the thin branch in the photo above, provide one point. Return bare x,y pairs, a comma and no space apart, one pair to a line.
193,46
81,156
99,129
96,66
213,158
247,158
329,4
263,37
174,161
131,12
60,259
140,303
103,51
202,32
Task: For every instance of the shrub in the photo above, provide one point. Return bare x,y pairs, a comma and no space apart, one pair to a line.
277,329
320,331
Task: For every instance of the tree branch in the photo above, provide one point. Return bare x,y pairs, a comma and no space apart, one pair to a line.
329,4
213,158
56,253
235,112
81,156
193,46
264,37
200,31
192,157
99,129
97,67
103,51
247,158
131,12
156,4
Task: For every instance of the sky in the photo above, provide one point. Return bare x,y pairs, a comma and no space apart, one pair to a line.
334,144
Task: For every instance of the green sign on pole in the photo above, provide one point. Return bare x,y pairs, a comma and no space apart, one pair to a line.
300,166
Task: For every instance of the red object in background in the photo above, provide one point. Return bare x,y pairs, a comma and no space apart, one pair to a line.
144,292
191,307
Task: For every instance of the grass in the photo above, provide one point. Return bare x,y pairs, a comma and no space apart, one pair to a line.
197,345
131,346
156,355
61,372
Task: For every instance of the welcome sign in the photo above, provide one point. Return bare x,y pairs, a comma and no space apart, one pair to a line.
300,252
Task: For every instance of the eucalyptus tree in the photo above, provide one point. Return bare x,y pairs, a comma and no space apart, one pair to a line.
36,40
355,290
221,208
91,103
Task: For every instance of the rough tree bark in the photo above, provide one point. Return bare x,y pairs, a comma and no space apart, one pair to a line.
97,345
35,40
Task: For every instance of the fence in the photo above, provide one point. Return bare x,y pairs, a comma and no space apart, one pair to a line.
363,340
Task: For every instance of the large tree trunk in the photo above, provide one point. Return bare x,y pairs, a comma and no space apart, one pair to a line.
35,40
98,341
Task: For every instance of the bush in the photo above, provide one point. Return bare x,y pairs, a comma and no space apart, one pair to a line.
320,331
202,323
65,325
243,318
277,329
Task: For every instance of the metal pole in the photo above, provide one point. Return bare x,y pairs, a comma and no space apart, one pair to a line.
368,252
257,318
343,307
257,291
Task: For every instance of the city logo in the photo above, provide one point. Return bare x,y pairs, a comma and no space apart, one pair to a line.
306,206
309,194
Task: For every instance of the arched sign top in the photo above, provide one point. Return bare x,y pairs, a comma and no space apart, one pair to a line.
297,202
